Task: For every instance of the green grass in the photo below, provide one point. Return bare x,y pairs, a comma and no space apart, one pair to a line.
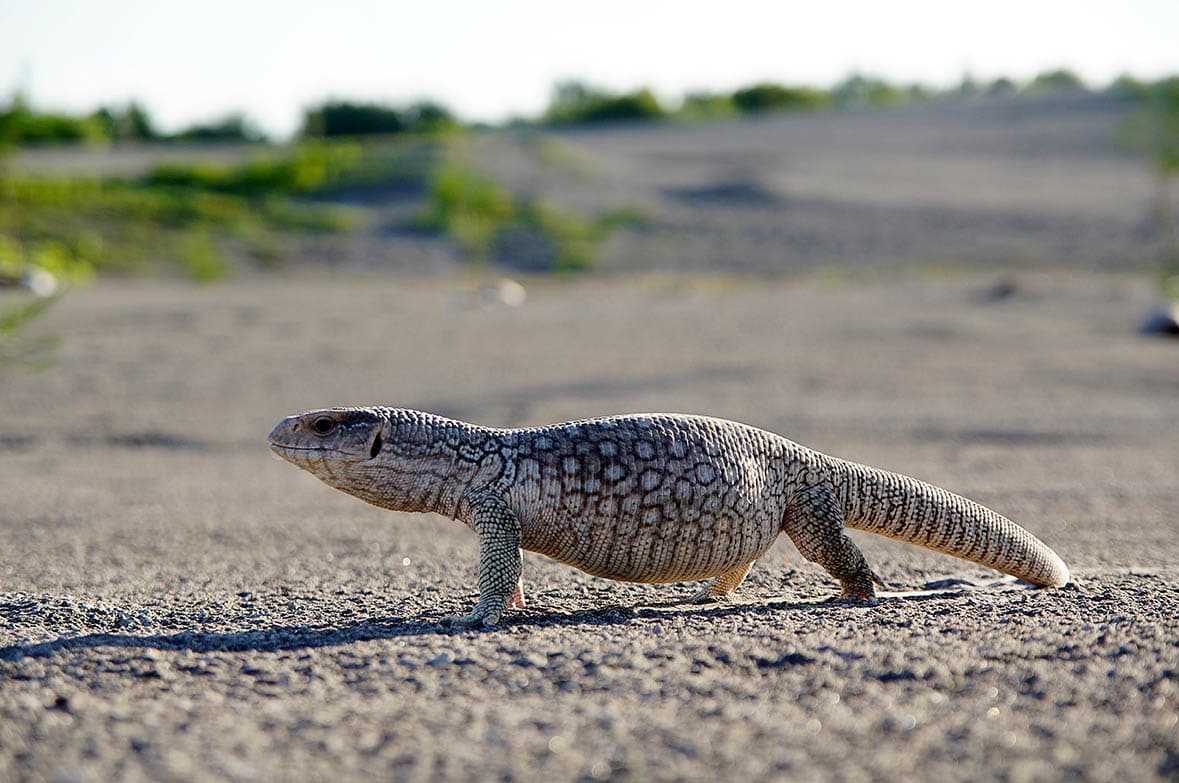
308,168
186,217
1167,274
487,222
202,220
18,350
468,207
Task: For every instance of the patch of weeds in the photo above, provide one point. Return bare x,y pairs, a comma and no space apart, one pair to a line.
623,217
304,169
575,241
200,259
1168,275
189,215
559,155
65,263
17,350
468,207
291,216
575,102
488,222
1153,129
706,105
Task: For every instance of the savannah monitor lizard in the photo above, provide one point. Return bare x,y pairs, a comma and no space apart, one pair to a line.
644,498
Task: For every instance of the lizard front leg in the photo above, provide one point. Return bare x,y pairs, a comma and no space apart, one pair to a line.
500,562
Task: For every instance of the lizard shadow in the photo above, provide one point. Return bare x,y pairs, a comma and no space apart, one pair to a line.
619,614
269,639
297,637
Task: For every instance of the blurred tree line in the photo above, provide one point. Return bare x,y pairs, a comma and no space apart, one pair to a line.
572,102
342,118
575,102
21,125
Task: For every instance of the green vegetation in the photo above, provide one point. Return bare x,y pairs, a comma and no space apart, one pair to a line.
341,118
58,259
129,123
1154,128
190,217
488,222
1059,80
698,105
1154,131
17,350
231,128
859,90
21,126
307,168
576,103
558,154
777,97
196,217
573,102
468,207
200,259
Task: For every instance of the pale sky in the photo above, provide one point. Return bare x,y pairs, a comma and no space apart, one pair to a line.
189,62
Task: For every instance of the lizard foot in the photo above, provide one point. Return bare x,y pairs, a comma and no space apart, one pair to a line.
473,620
717,590
858,589
705,596
857,599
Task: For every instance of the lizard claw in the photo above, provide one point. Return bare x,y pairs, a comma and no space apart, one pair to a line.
473,620
705,596
857,599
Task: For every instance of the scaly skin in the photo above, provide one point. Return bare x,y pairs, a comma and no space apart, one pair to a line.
644,498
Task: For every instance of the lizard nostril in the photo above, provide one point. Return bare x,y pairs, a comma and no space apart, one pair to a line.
378,443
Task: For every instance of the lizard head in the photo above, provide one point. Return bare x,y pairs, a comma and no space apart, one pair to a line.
331,443
396,458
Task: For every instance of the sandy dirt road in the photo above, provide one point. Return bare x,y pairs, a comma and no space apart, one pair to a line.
177,605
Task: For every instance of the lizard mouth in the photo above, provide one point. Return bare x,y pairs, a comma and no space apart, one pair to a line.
281,448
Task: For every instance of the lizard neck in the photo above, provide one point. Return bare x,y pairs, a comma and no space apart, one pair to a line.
430,463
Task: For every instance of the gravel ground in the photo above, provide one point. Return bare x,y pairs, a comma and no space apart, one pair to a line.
177,605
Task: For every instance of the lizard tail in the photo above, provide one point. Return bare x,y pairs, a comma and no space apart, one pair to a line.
906,509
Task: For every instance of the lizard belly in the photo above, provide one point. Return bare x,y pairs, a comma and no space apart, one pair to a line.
645,499
652,545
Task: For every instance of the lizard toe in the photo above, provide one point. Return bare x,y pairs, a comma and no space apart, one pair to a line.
706,597
468,621
857,599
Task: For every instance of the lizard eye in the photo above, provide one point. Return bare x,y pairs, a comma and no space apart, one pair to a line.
324,425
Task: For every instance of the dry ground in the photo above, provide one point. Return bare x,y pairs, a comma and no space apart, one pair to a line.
177,605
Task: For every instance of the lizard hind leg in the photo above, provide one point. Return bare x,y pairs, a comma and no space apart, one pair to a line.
720,588
815,526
